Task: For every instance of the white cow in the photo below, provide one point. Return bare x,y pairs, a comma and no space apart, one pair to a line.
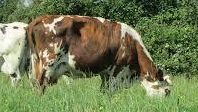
13,49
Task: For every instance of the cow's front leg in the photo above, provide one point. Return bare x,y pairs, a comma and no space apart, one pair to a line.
41,85
44,85
116,77
15,78
106,77
105,81
124,77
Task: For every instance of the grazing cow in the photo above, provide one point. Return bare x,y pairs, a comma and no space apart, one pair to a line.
12,49
61,43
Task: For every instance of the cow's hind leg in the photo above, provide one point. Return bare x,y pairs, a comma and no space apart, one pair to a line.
39,84
45,82
105,79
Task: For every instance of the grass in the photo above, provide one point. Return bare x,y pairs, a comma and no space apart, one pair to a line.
83,95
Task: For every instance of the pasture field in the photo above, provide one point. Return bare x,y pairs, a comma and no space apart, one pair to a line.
83,95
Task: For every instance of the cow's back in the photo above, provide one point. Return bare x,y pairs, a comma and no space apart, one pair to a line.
93,41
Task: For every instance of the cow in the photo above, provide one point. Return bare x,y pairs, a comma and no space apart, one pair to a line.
63,43
13,50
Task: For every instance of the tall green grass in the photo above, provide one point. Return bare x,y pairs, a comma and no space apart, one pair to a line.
83,95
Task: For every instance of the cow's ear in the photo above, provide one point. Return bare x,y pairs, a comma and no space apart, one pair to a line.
160,75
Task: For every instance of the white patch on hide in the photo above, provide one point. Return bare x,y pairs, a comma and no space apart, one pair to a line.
102,20
51,44
33,60
123,55
69,16
53,24
40,66
71,60
45,54
40,54
127,29
81,16
57,47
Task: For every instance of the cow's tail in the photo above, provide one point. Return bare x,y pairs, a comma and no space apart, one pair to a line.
30,32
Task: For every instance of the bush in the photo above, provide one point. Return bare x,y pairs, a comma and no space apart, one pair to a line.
7,7
173,47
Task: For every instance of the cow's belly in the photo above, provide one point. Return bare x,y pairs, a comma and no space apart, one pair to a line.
93,62
78,64
78,59
62,66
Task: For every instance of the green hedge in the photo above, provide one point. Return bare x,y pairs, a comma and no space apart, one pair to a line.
173,47
168,27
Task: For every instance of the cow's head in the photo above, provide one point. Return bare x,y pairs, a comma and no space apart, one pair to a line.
158,86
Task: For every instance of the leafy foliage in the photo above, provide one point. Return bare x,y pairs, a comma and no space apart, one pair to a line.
7,7
172,46
168,27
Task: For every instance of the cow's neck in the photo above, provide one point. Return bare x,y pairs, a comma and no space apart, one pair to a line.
147,67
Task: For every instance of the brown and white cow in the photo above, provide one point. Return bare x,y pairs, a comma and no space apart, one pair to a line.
62,43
